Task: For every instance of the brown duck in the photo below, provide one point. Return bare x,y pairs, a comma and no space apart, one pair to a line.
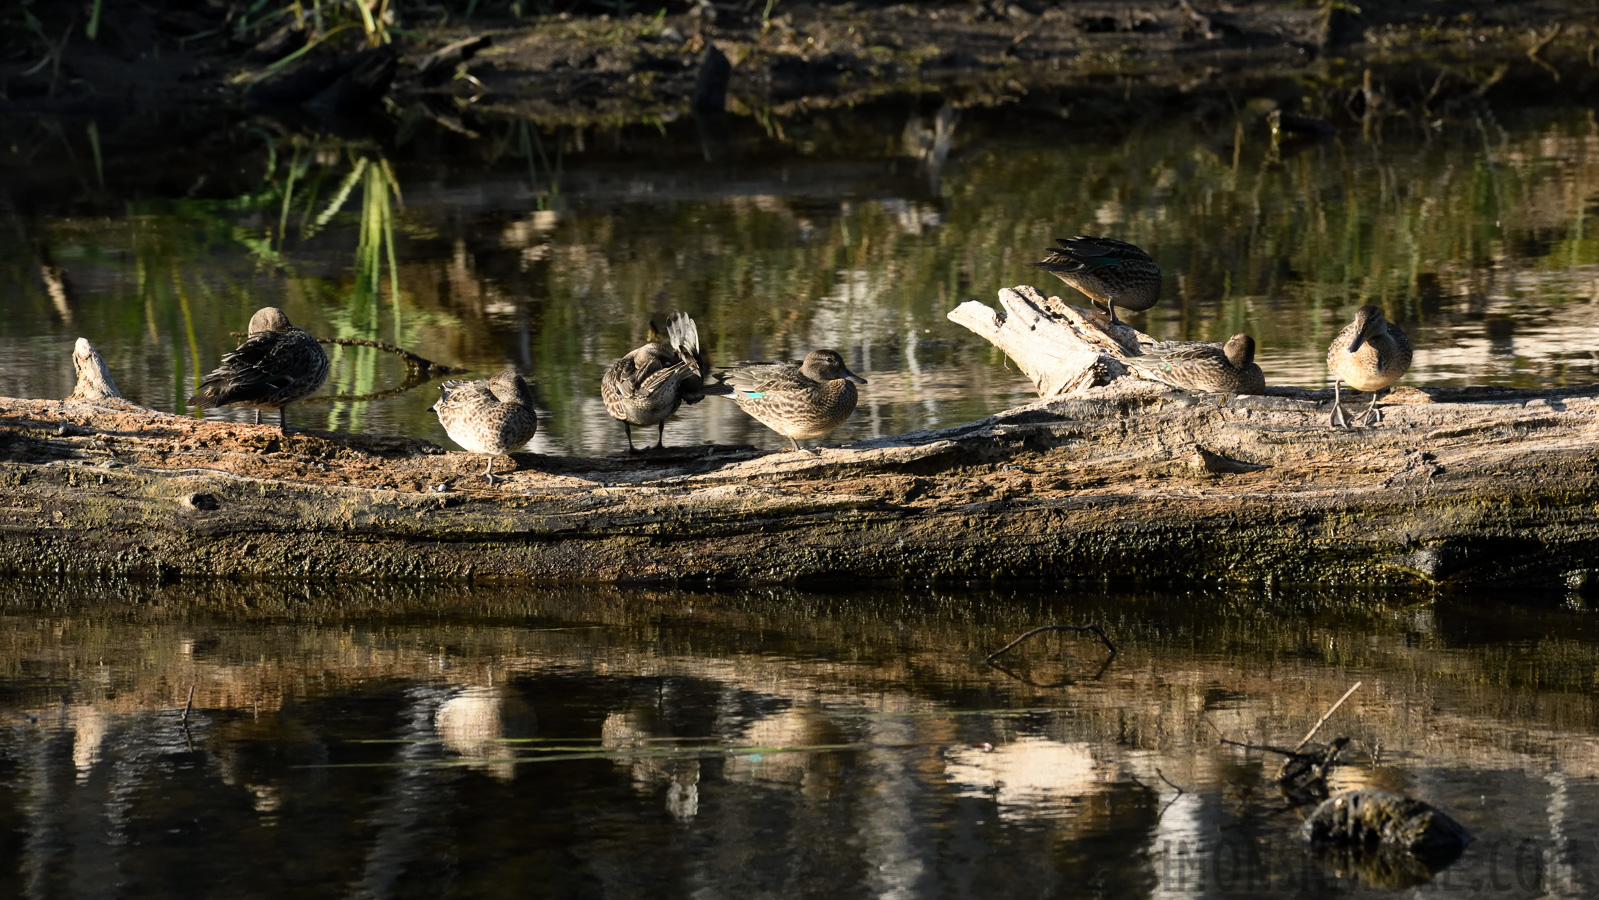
648,385
494,416
801,400
276,365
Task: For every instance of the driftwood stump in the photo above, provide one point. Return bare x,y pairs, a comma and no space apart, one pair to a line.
1064,350
94,378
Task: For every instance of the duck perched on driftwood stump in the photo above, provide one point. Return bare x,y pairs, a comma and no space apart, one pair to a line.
1370,354
1111,273
276,365
493,416
799,401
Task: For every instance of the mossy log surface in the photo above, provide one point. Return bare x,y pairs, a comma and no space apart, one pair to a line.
1129,481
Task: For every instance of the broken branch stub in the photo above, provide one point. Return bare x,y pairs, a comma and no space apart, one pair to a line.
1063,350
94,377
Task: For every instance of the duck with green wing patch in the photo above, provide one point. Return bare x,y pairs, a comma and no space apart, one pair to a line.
1203,365
1111,273
800,401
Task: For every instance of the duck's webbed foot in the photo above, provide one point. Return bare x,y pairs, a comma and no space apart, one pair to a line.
1339,420
1373,416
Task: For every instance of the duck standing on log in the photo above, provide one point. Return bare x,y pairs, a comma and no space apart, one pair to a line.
1203,366
494,416
800,401
276,365
1370,354
648,385
1111,273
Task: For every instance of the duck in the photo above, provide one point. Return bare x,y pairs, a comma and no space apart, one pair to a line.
491,416
1370,354
1203,365
647,386
276,365
799,401
1111,273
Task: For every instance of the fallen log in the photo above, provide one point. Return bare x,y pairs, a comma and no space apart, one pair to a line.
1128,482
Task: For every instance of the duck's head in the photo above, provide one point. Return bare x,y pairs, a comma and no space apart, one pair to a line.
444,397
1368,324
827,365
269,318
1240,350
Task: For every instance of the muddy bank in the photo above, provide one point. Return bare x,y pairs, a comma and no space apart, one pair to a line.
1131,483
1093,60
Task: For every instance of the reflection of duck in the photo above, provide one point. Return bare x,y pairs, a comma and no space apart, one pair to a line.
350,83
275,366
646,386
632,734
1204,366
493,417
797,400
1028,777
475,723
794,746
1368,355
1111,273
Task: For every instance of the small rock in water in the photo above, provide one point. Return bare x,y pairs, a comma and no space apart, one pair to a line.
1378,819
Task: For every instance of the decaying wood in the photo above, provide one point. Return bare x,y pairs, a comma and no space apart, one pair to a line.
1065,351
1059,348
1459,486
94,378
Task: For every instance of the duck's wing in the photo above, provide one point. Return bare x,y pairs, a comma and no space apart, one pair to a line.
1099,250
763,378
264,366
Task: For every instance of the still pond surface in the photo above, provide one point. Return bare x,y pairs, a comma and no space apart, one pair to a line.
550,249
384,741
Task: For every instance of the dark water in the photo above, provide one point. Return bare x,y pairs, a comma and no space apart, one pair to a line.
549,249
446,742
386,741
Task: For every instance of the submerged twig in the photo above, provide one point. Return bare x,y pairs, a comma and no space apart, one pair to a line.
416,363
1091,627
1325,716
1169,782
184,719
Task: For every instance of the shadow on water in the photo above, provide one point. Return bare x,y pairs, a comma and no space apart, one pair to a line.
389,740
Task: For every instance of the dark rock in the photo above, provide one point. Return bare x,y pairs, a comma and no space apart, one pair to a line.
1371,820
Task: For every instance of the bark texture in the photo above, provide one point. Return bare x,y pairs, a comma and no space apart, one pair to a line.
1130,482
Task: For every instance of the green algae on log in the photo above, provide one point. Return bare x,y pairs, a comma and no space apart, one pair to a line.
1129,482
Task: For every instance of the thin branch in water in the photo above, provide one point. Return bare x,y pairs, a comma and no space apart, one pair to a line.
418,364
1325,716
1092,627
184,719
413,361
1169,782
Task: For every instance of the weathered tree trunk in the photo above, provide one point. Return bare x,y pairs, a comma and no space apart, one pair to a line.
1129,482
94,377
1063,351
